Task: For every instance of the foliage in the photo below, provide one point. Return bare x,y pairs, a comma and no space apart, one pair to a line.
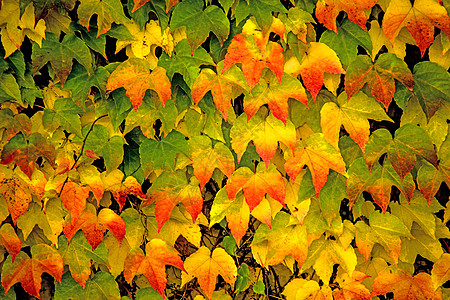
230,149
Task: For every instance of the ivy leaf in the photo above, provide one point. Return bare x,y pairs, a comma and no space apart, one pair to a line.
296,22
405,286
223,86
171,188
236,210
409,141
77,253
152,264
419,18
256,185
377,182
265,133
119,188
300,288
136,77
319,156
28,270
162,154
139,3
199,22
66,113
205,158
440,273
94,227
60,55
206,266
384,229
353,115
328,10
25,153
276,95
379,76
10,240
260,9
79,82
429,180
350,287
9,89
270,246
107,11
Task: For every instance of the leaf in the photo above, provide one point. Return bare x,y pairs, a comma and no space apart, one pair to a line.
319,156
119,188
440,273
199,22
296,22
429,180
421,244
379,76
10,240
405,286
61,54
152,264
270,246
163,154
25,153
206,266
260,9
351,287
256,185
346,41
205,158
328,10
265,133
276,95
94,227
300,288
28,270
171,188
107,11
377,182
77,253
80,82
353,115
317,59
223,86
236,210
379,40
136,77
9,89
420,20
429,86
66,114
409,141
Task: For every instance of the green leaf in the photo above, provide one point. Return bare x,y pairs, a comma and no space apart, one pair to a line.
331,195
347,40
118,106
431,86
260,9
200,22
9,89
259,287
79,82
148,293
229,244
60,55
242,278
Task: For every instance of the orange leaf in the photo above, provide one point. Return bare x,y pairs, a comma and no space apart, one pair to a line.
440,273
224,86
206,267
27,271
10,240
256,185
328,10
120,189
74,196
139,3
171,188
152,264
420,20
136,77
94,227
351,287
405,286
319,156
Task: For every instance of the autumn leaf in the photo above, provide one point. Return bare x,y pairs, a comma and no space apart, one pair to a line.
379,76
265,132
378,182
206,158
139,3
224,86
319,156
135,76
107,11
94,226
300,288
169,189
440,273
206,266
409,141
353,115
90,176
152,263
328,10
317,59
10,240
119,188
61,54
296,21
405,286
275,94
28,271
261,10
350,287
256,184
419,18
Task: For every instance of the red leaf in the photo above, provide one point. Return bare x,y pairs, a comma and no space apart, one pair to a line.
120,189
